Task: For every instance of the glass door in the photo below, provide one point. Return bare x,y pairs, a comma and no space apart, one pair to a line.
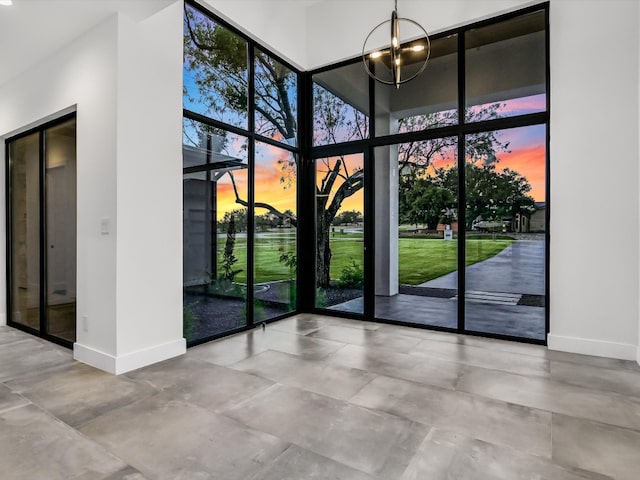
60,206
24,256
340,234
416,232
42,231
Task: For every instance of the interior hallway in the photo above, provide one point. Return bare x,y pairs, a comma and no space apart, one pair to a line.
316,398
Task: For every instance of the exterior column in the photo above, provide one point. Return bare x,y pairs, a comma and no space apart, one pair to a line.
386,217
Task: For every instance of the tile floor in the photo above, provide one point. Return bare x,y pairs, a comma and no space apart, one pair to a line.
316,397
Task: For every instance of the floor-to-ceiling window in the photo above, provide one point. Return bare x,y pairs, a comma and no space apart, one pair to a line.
424,205
454,221
241,161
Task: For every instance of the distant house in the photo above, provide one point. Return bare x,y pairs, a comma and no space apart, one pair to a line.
534,222
442,227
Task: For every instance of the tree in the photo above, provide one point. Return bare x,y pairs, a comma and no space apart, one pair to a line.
348,217
494,195
239,217
426,202
490,195
217,60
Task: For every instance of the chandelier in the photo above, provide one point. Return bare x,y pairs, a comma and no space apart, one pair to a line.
404,58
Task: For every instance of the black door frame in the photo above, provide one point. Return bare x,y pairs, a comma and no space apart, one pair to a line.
42,191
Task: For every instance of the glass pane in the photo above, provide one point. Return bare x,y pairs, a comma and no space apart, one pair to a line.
25,231
206,145
340,233
428,101
215,250
276,100
341,105
275,256
505,224
506,68
416,232
215,72
60,178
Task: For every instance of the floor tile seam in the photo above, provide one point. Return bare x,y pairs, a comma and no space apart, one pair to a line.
333,399
254,396
480,349
597,422
379,373
472,395
300,358
556,412
315,392
483,347
597,367
435,428
632,398
16,407
274,326
489,346
585,389
310,448
78,432
115,409
34,373
258,476
556,461
463,392
481,367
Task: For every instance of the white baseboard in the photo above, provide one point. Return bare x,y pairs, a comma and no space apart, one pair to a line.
3,319
598,348
130,361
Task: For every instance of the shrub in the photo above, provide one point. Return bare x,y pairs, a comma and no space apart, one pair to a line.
352,276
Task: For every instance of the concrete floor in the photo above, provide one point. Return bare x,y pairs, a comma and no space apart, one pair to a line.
321,398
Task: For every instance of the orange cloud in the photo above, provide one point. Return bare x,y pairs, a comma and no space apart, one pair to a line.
531,164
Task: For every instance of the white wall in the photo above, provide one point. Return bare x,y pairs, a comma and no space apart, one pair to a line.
82,74
594,178
124,78
149,199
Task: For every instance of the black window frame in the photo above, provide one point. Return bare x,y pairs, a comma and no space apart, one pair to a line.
252,138
307,153
461,131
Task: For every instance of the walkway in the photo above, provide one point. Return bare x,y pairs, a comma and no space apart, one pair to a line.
505,296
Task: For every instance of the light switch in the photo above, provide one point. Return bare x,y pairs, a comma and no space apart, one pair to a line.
104,226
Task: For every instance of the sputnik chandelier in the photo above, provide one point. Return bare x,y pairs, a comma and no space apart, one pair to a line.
402,60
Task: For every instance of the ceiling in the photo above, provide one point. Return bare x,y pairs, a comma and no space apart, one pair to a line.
31,30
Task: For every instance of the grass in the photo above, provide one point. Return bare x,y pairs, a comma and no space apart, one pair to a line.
420,260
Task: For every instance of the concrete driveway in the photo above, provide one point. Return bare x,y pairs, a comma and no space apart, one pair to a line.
518,269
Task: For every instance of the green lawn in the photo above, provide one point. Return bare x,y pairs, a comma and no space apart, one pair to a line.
421,259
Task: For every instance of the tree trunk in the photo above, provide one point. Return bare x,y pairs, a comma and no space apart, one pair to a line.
323,251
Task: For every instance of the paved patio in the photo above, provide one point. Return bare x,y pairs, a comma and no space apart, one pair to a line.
505,295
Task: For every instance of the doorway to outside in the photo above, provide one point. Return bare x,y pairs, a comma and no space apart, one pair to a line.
41,230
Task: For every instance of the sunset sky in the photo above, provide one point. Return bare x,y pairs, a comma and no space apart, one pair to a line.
526,156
